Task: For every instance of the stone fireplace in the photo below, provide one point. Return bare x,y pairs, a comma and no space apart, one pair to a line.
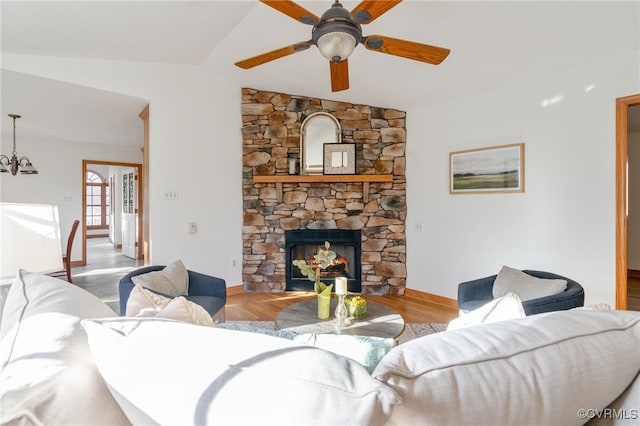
372,202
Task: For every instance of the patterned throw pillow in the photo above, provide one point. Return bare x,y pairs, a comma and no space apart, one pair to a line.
145,303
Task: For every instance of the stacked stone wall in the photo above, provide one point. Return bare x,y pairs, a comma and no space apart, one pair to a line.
271,132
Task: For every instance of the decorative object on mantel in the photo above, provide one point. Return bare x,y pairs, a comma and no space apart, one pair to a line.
14,162
339,159
322,259
338,32
493,169
315,130
293,165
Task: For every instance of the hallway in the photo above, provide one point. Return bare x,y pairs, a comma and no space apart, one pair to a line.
105,266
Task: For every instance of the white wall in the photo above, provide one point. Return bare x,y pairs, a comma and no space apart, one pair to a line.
565,220
60,178
195,149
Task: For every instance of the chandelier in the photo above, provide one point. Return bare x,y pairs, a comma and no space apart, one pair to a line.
14,163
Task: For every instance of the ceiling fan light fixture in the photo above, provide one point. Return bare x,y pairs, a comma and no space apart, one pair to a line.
336,46
336,35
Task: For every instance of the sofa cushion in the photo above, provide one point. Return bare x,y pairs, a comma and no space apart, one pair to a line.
527,287
230,377
173,280
624,411
503,308
540,369
367,350
48,376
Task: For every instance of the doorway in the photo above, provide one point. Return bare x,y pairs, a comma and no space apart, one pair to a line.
119,194
623,106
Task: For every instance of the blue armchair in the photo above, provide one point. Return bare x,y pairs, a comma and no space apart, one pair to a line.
207,291
473,294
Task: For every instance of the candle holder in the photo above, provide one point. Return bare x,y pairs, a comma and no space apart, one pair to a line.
342,319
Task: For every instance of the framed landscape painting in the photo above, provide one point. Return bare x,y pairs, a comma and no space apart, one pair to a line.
493,169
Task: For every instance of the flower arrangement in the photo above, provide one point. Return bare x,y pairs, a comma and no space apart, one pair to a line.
311,268
321,260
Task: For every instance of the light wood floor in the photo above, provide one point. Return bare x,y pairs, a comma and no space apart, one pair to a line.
265,307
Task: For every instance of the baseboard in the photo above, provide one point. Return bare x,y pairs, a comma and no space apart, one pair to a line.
633,273
434,298
235,290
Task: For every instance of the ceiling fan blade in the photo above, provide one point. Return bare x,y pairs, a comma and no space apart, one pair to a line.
369,10
293,10
406,49
274,54
339,75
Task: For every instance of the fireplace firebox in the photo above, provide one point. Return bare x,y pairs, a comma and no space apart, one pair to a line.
304,243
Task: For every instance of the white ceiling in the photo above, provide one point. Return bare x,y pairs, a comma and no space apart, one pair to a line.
492,44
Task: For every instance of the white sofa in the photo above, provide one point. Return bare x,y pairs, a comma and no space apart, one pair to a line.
68,359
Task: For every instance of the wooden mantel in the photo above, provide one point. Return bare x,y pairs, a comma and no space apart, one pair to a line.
364,179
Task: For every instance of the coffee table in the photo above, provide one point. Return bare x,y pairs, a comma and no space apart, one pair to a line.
302,317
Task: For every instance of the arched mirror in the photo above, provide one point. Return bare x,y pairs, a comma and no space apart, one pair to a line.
316,130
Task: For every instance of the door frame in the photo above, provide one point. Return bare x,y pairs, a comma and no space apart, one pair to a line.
622,111
139,216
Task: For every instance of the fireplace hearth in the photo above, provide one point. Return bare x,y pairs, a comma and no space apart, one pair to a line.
304,243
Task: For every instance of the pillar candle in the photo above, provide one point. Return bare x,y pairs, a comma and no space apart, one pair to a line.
341,285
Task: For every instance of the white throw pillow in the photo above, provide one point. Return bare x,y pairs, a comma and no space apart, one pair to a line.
144,303
510,280
173,280
503,308
230,377
48,376
537,370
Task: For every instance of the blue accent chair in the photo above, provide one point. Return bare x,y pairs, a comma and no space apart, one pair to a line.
205,290
474,294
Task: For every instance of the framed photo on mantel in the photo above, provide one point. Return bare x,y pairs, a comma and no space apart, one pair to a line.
493,169
339,159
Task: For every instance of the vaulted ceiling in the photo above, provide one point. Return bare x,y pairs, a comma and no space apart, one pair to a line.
492,44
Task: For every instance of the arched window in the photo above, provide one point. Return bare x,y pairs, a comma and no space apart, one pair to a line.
97,201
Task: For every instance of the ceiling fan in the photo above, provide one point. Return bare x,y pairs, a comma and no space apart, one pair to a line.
337,33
